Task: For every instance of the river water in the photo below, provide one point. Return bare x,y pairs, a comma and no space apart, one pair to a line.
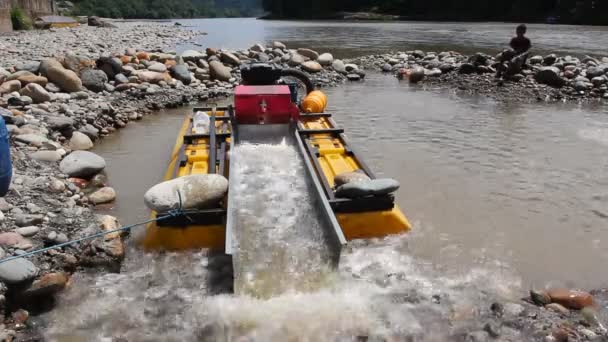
503,196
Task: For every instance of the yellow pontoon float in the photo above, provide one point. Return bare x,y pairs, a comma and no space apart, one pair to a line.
265,107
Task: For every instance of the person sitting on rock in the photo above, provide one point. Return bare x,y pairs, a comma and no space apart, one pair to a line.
517,55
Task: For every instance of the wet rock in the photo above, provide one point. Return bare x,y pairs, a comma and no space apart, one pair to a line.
572,299
550,76
550,59
536,60
416,75
350,177
230,58
326,59
80,142
312,67
197,191
94,80
218,71
557,308
339,66
313,55
31,66
36,92
47,285
27,231
17,271
540,297
103,195
180,72
82,164
376,187
9,87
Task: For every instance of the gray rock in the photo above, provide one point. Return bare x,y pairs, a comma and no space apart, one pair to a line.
295,60
376,187
262,57
61,238
58,123
580,86
46,156
467,68
339,66
31,66
90,131
513,309
17,271
80,142
218,71
257,48
387,67
416,75
309,53
103,195
353,77
350,177
52,87
82,164
477,336
229,58
598,81
279,45
32,139
157,67
197,191
191,56
325,59
111,66
550,59
121,79
36,92
312,67
27,231
550,76
593,72
180,72
351,67
24,220
536,59
94,80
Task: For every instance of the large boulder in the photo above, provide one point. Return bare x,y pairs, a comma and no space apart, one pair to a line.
36,92
549,75
94,80
309,53
180,72
325,59
312,66
218,71
65,79
82,164
229,58
196,191
80,142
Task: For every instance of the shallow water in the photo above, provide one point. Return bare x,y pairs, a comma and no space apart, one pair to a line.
502,197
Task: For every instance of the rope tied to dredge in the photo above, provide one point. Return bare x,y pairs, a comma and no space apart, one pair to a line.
172,213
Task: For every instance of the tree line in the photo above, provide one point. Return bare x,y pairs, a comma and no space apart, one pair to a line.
167,9
593,12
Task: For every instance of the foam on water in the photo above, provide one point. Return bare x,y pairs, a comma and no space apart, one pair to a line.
280,243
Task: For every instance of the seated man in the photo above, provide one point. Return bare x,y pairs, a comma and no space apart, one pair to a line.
517,55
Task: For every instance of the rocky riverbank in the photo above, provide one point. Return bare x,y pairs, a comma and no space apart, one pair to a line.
548,78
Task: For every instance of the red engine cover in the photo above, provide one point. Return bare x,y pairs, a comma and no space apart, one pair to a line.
258,105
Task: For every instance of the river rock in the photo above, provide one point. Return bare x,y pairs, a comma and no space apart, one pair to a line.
549,75
218,71
353,77
350,177
66,80
416,75
197,192
27,79
157,67
257,48
77,63
80,142
377,187
17,271
387,67
540,297
59,123
312,66
27,231
180,72
338,66
36,92
467,68
595,72
580,86
90,131
31,66
351,67
32,139
572,299
14,240
47,285
550,59
46,156
309,53
279,45
229,58
295,60
111,66
191,56
557,308
151,76
94,80
24,220
536,59
598,81
103,195
326,59
82,164
9,87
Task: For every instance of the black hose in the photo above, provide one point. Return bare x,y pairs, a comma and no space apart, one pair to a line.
300,76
